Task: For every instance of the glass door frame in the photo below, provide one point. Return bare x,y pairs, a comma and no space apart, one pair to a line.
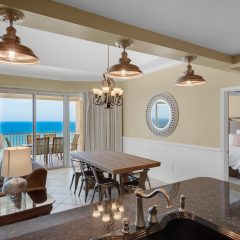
66,126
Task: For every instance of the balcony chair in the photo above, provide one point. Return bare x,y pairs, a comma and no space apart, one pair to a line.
8,142
30,138
103,184
77,173
50,136
57,148
74,143
42,148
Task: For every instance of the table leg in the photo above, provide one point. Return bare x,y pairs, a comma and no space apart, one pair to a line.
123,178
142,180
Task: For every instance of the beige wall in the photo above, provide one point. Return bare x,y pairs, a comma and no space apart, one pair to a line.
234,106
43,84
199,107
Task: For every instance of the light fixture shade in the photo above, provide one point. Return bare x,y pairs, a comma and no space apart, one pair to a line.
16,162
190,79
11,50
124,69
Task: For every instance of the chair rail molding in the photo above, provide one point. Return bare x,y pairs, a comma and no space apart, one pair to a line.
178,161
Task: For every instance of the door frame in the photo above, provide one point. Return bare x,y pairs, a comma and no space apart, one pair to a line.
66,131
225,92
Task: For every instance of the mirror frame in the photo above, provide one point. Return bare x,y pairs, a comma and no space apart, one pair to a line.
172,104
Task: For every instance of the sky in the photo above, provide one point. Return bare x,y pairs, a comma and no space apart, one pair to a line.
21,110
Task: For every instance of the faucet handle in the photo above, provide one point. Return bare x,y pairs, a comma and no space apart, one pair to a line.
152,217
182,203
125,225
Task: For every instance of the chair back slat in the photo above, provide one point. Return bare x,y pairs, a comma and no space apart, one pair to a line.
74,143
50,136
42,146
57,145
30,138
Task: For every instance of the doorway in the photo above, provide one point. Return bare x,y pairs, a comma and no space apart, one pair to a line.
230,108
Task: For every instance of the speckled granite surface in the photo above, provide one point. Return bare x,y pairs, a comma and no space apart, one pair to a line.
214,200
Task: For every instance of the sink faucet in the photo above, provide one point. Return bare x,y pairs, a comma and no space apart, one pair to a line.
140,222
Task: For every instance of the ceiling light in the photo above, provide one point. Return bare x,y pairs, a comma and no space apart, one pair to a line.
189,78
11,50
124,69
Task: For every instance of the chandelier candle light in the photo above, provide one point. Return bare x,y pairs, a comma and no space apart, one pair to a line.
108,95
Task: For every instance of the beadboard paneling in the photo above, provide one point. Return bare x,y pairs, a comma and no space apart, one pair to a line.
178,161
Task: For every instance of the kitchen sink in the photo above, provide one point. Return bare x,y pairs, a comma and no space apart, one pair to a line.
186,229
177,226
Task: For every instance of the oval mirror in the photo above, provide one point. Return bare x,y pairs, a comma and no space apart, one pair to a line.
162,114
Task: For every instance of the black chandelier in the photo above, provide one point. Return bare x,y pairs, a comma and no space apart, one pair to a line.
108,95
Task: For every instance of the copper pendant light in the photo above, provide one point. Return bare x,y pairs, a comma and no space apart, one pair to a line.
189,78
11,50
124,69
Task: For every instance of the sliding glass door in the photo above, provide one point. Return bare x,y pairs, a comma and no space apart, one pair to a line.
75,104
49,137
16,118
47,123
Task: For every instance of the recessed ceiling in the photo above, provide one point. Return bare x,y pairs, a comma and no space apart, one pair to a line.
71,59
213,24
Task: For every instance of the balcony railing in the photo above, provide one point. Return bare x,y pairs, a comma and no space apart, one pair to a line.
19,139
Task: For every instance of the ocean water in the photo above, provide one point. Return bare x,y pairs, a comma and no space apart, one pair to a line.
26,127
161,123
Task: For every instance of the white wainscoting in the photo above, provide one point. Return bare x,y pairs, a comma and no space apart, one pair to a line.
178,161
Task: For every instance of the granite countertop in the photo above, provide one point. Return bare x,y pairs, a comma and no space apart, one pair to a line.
213,200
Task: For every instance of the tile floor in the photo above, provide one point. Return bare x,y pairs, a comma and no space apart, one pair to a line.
234,180
58,182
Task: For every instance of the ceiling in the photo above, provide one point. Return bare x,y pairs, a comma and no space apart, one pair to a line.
71,59
213,24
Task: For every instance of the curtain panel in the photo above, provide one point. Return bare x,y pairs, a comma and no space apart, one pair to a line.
101,128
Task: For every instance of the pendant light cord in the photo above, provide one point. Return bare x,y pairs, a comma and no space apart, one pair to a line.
108,59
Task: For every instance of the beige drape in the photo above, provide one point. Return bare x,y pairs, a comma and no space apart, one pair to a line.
101,128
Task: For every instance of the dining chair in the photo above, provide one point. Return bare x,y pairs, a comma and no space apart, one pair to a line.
30,138
77,173
57,147
87,178
50,136
8,142
42,148
103,184
74,143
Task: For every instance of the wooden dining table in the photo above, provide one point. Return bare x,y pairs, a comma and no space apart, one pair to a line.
115,163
